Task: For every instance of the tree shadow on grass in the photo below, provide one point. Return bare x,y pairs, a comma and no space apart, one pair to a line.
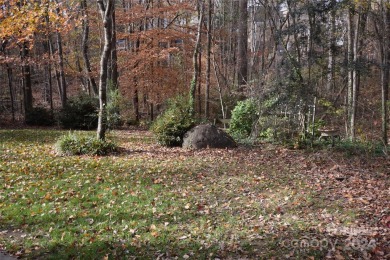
294,244
122,250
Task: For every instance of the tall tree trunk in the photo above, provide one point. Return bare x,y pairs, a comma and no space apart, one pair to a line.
106,10
27,86
383,34
263,38
385,95
11,90
61,65
56,73
355,79
136,105
61,69
114,56
84,49
242,44
83,80
350,127
200,81
230,69
151,111
208,65
385,87
219,88
195,74
356,44
49,85
330,84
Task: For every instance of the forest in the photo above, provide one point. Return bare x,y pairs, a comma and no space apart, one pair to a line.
304,64
98,100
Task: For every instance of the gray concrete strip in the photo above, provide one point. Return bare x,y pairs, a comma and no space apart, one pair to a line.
6,257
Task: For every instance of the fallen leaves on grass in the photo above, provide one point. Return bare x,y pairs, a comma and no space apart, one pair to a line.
170,202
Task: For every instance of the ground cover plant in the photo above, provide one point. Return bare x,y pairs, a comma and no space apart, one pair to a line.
170,127
75,143
149,202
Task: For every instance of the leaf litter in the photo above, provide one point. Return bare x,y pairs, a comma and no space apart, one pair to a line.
165,203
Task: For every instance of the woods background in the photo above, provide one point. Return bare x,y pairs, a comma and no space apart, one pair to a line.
305,63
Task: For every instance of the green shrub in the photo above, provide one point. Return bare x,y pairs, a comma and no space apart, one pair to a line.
268,134
40,116
243,117
278,128
318,124
76,144
360,148
79,113
114,101
176,120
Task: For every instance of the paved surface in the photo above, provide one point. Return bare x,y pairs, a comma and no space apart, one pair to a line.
5,257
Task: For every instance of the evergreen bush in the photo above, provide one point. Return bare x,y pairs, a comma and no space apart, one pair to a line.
176,120
80,112
40,116
114,103
76,144
244,115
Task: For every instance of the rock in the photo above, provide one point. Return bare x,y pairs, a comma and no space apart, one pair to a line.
207,136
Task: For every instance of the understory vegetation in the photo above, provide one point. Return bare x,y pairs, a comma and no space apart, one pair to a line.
243,119
171,126
149,202
80,112
78,144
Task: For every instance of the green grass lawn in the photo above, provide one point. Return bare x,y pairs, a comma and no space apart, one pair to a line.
148,202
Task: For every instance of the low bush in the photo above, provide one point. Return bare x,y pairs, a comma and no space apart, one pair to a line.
176,120
40,116
361,148
115,101
80,113
244,115
76,144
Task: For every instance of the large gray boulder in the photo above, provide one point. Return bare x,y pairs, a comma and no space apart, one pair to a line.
207,136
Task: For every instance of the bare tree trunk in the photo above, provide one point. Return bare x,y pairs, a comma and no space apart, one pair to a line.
242,45
151,111
330,84
200,81
265,5
48,48
219,90
382,28
385,85
11,92
106,10
114,56
356,37
136,105
61,65
230,70
84,49
27,86
61,69
293,16
350,132
385,95
355,80
208,65
50,85
195,76
57,74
